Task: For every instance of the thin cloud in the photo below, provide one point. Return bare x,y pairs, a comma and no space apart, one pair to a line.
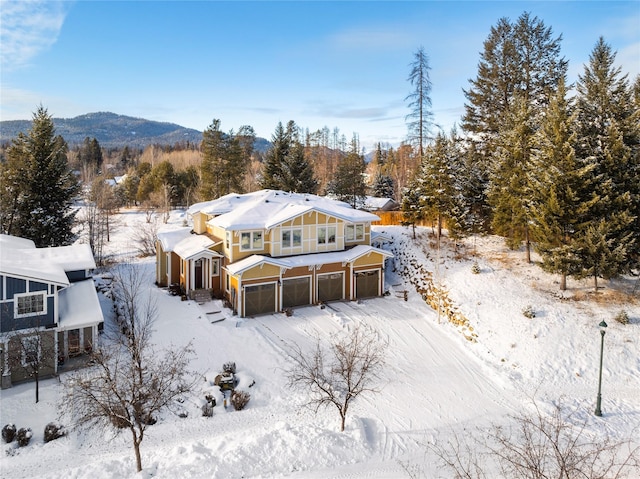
374,38
28,28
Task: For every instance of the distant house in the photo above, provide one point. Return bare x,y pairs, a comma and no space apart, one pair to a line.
270,250
372,203
47,292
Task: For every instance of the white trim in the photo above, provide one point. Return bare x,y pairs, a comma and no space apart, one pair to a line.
17,296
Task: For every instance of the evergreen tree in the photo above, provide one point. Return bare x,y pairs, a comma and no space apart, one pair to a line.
39,187
561,190
224,162
421,117
286,167
608,139
509,191
382,186
272,174
472,211
411,209
435,182
521,58
348,184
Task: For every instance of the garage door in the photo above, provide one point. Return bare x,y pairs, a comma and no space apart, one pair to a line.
367,284
259,299
330,287
295,292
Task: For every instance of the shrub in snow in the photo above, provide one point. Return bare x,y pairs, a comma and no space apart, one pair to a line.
622,317
23,436
9,433
207,409
529,312
210,399
475,269
229,367
53,431
240,399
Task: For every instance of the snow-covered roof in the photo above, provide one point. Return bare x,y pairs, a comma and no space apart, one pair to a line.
24,263
8,241
79,306
289,262
219,206
194,245
375,203
265,209
72,258
170,238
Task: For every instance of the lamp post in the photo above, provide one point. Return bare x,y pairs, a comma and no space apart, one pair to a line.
603,326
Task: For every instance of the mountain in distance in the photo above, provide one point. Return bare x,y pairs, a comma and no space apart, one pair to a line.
114,131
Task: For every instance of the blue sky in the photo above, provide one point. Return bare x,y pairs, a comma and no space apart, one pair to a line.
339,64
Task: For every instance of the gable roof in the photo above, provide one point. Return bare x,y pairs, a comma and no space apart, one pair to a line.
265,209
169,239
195,245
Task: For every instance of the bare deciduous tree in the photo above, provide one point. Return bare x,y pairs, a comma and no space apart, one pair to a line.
337,373
145,237
539,445
130,381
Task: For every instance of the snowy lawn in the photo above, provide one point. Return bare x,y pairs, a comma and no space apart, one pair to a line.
435,384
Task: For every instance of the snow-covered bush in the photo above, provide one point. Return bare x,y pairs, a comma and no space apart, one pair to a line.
622,317
240,399
23,436
229,367
53,431
529,312
9,433
475,269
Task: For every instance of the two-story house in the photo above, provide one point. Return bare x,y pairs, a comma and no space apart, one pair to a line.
269,250
47,300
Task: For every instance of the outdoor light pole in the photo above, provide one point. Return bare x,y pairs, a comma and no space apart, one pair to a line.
603,326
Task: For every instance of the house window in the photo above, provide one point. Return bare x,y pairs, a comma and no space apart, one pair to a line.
30,305
291,238
326,234
30,350
214,267
251,240
354,232
227,241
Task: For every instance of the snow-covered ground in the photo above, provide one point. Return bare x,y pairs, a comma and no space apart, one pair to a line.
436,383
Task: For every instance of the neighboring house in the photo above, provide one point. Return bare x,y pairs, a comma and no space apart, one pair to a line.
372,203
269,250
47,300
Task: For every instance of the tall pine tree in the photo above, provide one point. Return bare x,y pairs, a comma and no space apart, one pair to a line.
39,187
420,118
608,139
348,184
224,163
286,167
561,188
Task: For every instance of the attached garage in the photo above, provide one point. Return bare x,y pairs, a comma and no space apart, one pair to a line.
259,299
296,292
367,284
330,287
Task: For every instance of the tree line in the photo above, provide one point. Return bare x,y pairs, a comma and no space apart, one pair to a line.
539,162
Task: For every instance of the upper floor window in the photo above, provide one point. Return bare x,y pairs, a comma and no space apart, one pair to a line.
251,240
291,238
30,304
354,232
326,234
227,240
